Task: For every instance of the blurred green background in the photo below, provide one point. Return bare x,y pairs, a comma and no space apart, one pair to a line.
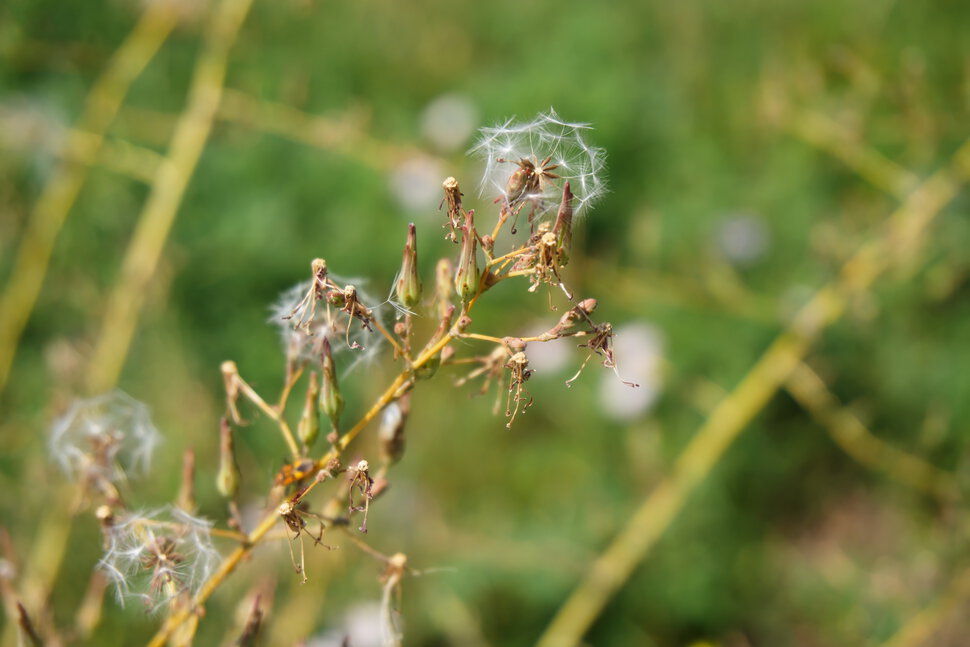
737,137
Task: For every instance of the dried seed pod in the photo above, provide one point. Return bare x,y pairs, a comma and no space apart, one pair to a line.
408,286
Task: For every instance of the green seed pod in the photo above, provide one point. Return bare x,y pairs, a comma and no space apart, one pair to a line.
466,278
331,401
309,426
408,286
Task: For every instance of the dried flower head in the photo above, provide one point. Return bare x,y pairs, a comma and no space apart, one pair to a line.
103,438
304,323
158,556
529,162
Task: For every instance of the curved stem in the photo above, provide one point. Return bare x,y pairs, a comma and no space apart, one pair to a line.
276,415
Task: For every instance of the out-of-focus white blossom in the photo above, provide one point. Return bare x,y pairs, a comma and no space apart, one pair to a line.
416,183
104,437
638,348
549,358
448,121
564,143
159,555
743,238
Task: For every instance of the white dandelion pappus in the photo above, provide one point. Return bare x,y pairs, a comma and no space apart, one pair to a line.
305,341
157,556
104,437
571,159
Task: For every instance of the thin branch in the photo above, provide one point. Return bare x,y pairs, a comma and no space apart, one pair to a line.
828,135
275,414
851,435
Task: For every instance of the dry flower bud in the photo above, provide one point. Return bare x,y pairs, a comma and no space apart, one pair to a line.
318,270
453,198
227,478
309,426
466,278
408,286
579,312
331,400
105,515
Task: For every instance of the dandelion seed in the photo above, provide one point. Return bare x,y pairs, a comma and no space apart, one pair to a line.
547,138
104,438
159,555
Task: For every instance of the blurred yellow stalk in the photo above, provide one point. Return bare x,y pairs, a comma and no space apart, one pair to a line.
903,232
60,192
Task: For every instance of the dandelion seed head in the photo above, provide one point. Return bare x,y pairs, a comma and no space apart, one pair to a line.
158,555
582,165
106,436
360,346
